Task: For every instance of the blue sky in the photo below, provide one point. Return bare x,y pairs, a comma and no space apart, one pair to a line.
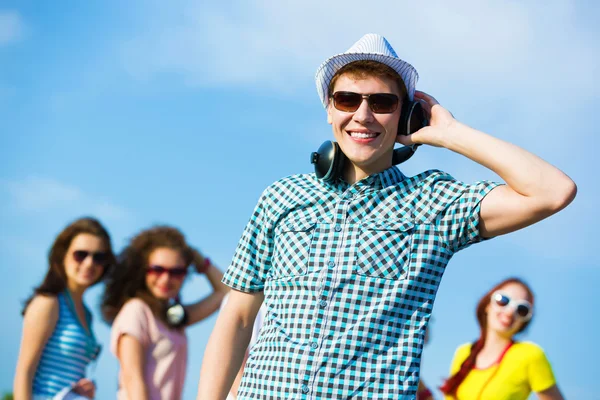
183,112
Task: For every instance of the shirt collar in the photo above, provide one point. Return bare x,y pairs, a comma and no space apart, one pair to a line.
380,180
383,179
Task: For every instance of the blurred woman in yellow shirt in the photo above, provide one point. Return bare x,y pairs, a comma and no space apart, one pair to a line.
495,366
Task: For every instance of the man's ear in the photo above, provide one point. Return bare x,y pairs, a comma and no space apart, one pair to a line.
329,118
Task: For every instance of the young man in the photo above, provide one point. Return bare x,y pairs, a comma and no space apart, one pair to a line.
349,268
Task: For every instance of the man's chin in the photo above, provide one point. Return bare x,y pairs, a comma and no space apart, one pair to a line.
365,162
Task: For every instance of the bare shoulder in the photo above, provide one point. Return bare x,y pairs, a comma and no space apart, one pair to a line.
41,315
43,305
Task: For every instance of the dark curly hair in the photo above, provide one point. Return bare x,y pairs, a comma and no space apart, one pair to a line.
451,385
128,279
55,280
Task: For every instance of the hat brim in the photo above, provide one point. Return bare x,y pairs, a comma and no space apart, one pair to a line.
332,65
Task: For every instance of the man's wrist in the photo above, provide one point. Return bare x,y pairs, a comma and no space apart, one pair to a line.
457,135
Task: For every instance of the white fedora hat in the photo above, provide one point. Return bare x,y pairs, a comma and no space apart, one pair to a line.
370,47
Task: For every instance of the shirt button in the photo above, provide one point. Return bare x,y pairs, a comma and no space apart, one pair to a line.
314,345
305,389
322,303
291,226
331,264
338,228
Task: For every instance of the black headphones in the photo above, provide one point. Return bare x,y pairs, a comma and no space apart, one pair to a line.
175,313
329,159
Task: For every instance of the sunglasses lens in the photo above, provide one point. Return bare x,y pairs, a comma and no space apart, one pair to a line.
80,255
178,272
347,101
155,269
501,300
383,103
522,310
100,258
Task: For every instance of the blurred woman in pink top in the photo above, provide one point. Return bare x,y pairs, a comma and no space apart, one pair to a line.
141,300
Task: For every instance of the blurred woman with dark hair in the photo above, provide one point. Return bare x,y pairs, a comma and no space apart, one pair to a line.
58,342
496,366
141,301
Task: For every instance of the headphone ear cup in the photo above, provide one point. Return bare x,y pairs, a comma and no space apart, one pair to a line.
412,117
339,159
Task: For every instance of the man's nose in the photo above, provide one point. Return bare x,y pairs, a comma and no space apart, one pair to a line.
363,113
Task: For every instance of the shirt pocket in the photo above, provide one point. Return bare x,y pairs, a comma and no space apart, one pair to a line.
384,248
292,248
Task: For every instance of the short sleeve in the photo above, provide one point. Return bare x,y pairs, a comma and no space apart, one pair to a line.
540,372
460,355
455,207
131,320
252,259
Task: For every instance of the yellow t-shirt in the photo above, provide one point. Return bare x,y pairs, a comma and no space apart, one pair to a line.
523,369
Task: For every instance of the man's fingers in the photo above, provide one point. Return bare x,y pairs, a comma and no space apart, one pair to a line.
405,140
428,98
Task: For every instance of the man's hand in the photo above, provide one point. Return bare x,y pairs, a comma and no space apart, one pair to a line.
440,122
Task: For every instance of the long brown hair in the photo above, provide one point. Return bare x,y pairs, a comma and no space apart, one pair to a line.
55,280
128,279
451,385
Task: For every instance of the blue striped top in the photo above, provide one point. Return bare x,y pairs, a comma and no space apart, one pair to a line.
67,353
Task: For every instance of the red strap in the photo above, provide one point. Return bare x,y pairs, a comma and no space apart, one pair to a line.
504,352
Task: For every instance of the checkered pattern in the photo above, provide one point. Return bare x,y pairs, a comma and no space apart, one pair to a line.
349,275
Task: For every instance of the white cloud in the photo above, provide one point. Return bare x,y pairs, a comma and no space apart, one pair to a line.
11,27
508,46
37,195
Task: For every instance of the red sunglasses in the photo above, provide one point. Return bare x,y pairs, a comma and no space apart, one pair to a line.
175,272
99,257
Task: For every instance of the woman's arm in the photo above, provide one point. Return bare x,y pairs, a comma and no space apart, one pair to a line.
550,394
198,311
38,324
130,353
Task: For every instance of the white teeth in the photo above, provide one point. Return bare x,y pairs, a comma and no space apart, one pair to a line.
361,135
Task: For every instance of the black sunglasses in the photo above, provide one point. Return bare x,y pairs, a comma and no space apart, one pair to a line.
379,103
100,257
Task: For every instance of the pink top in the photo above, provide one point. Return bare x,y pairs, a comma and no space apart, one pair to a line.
165,350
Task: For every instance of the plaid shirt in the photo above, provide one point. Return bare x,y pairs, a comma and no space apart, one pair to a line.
349,274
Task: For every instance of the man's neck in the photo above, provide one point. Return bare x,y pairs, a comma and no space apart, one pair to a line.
354,173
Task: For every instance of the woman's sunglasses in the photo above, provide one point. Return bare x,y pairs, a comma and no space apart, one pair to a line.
522,308
99,257
379,103
175,272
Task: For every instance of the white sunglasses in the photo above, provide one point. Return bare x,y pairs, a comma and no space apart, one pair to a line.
522,308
